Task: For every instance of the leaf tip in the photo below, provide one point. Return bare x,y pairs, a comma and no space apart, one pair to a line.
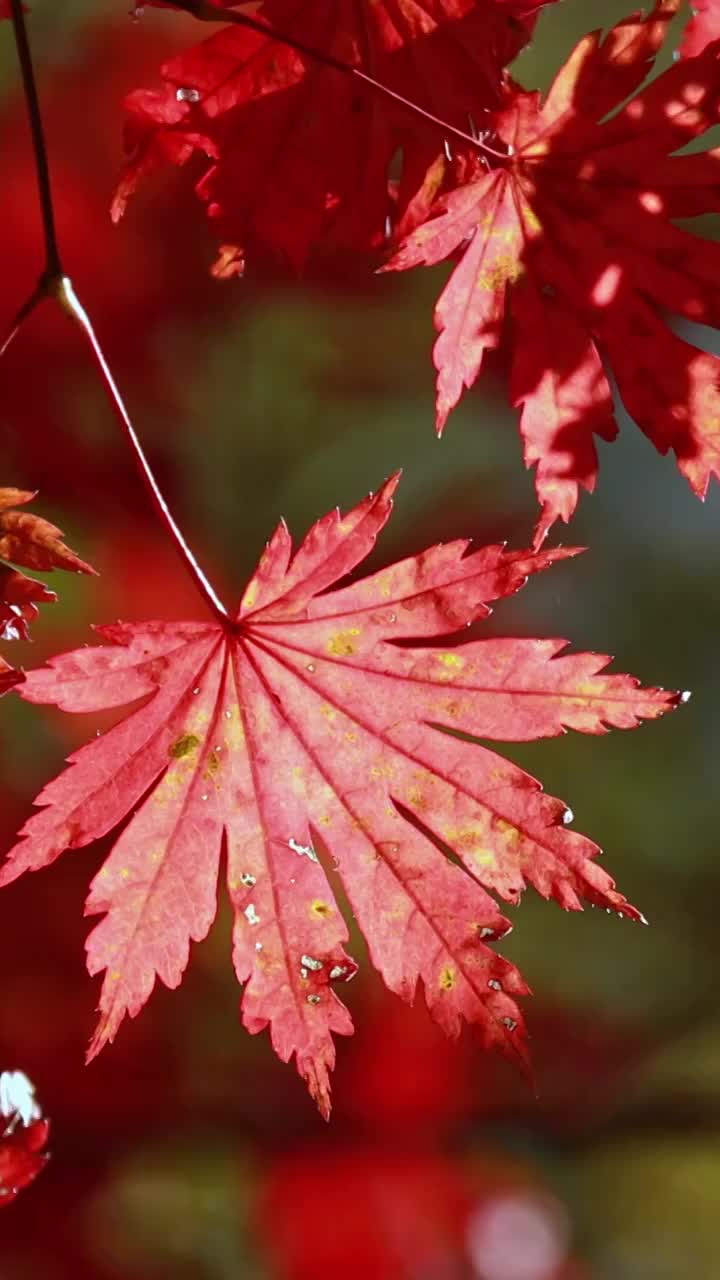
320,1094
392,482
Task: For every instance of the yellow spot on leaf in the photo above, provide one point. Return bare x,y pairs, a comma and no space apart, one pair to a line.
342,644
506,267
448,978
250,596
382,770
588,688
213,764
451,660
320,909
469,839
184,746
232,728
508,833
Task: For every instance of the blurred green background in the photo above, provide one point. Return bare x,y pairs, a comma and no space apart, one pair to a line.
188,1150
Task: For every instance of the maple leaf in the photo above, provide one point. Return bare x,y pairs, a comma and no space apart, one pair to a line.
27,539
19,599
576,227
703,27
303,722
22,1158
284,131
23,1135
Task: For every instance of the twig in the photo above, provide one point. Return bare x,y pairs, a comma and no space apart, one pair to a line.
42,169
205,11
55,283
23,313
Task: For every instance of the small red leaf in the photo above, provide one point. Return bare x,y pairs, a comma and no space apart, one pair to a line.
27,539
22,1158
23,1135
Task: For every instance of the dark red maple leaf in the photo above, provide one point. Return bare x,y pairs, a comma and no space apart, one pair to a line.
29,540
23,1135
577,227
22,1158
305,725
703,27
301,152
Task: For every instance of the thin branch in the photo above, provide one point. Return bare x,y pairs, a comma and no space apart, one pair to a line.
70,303
54,283
23,313
53,264
205,11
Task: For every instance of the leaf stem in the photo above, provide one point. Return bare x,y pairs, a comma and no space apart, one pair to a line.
71,304
55,283
206,11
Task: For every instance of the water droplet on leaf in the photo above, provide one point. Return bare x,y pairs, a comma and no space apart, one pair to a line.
303,850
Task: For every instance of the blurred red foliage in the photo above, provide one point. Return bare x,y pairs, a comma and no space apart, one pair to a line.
135,280
21,1158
